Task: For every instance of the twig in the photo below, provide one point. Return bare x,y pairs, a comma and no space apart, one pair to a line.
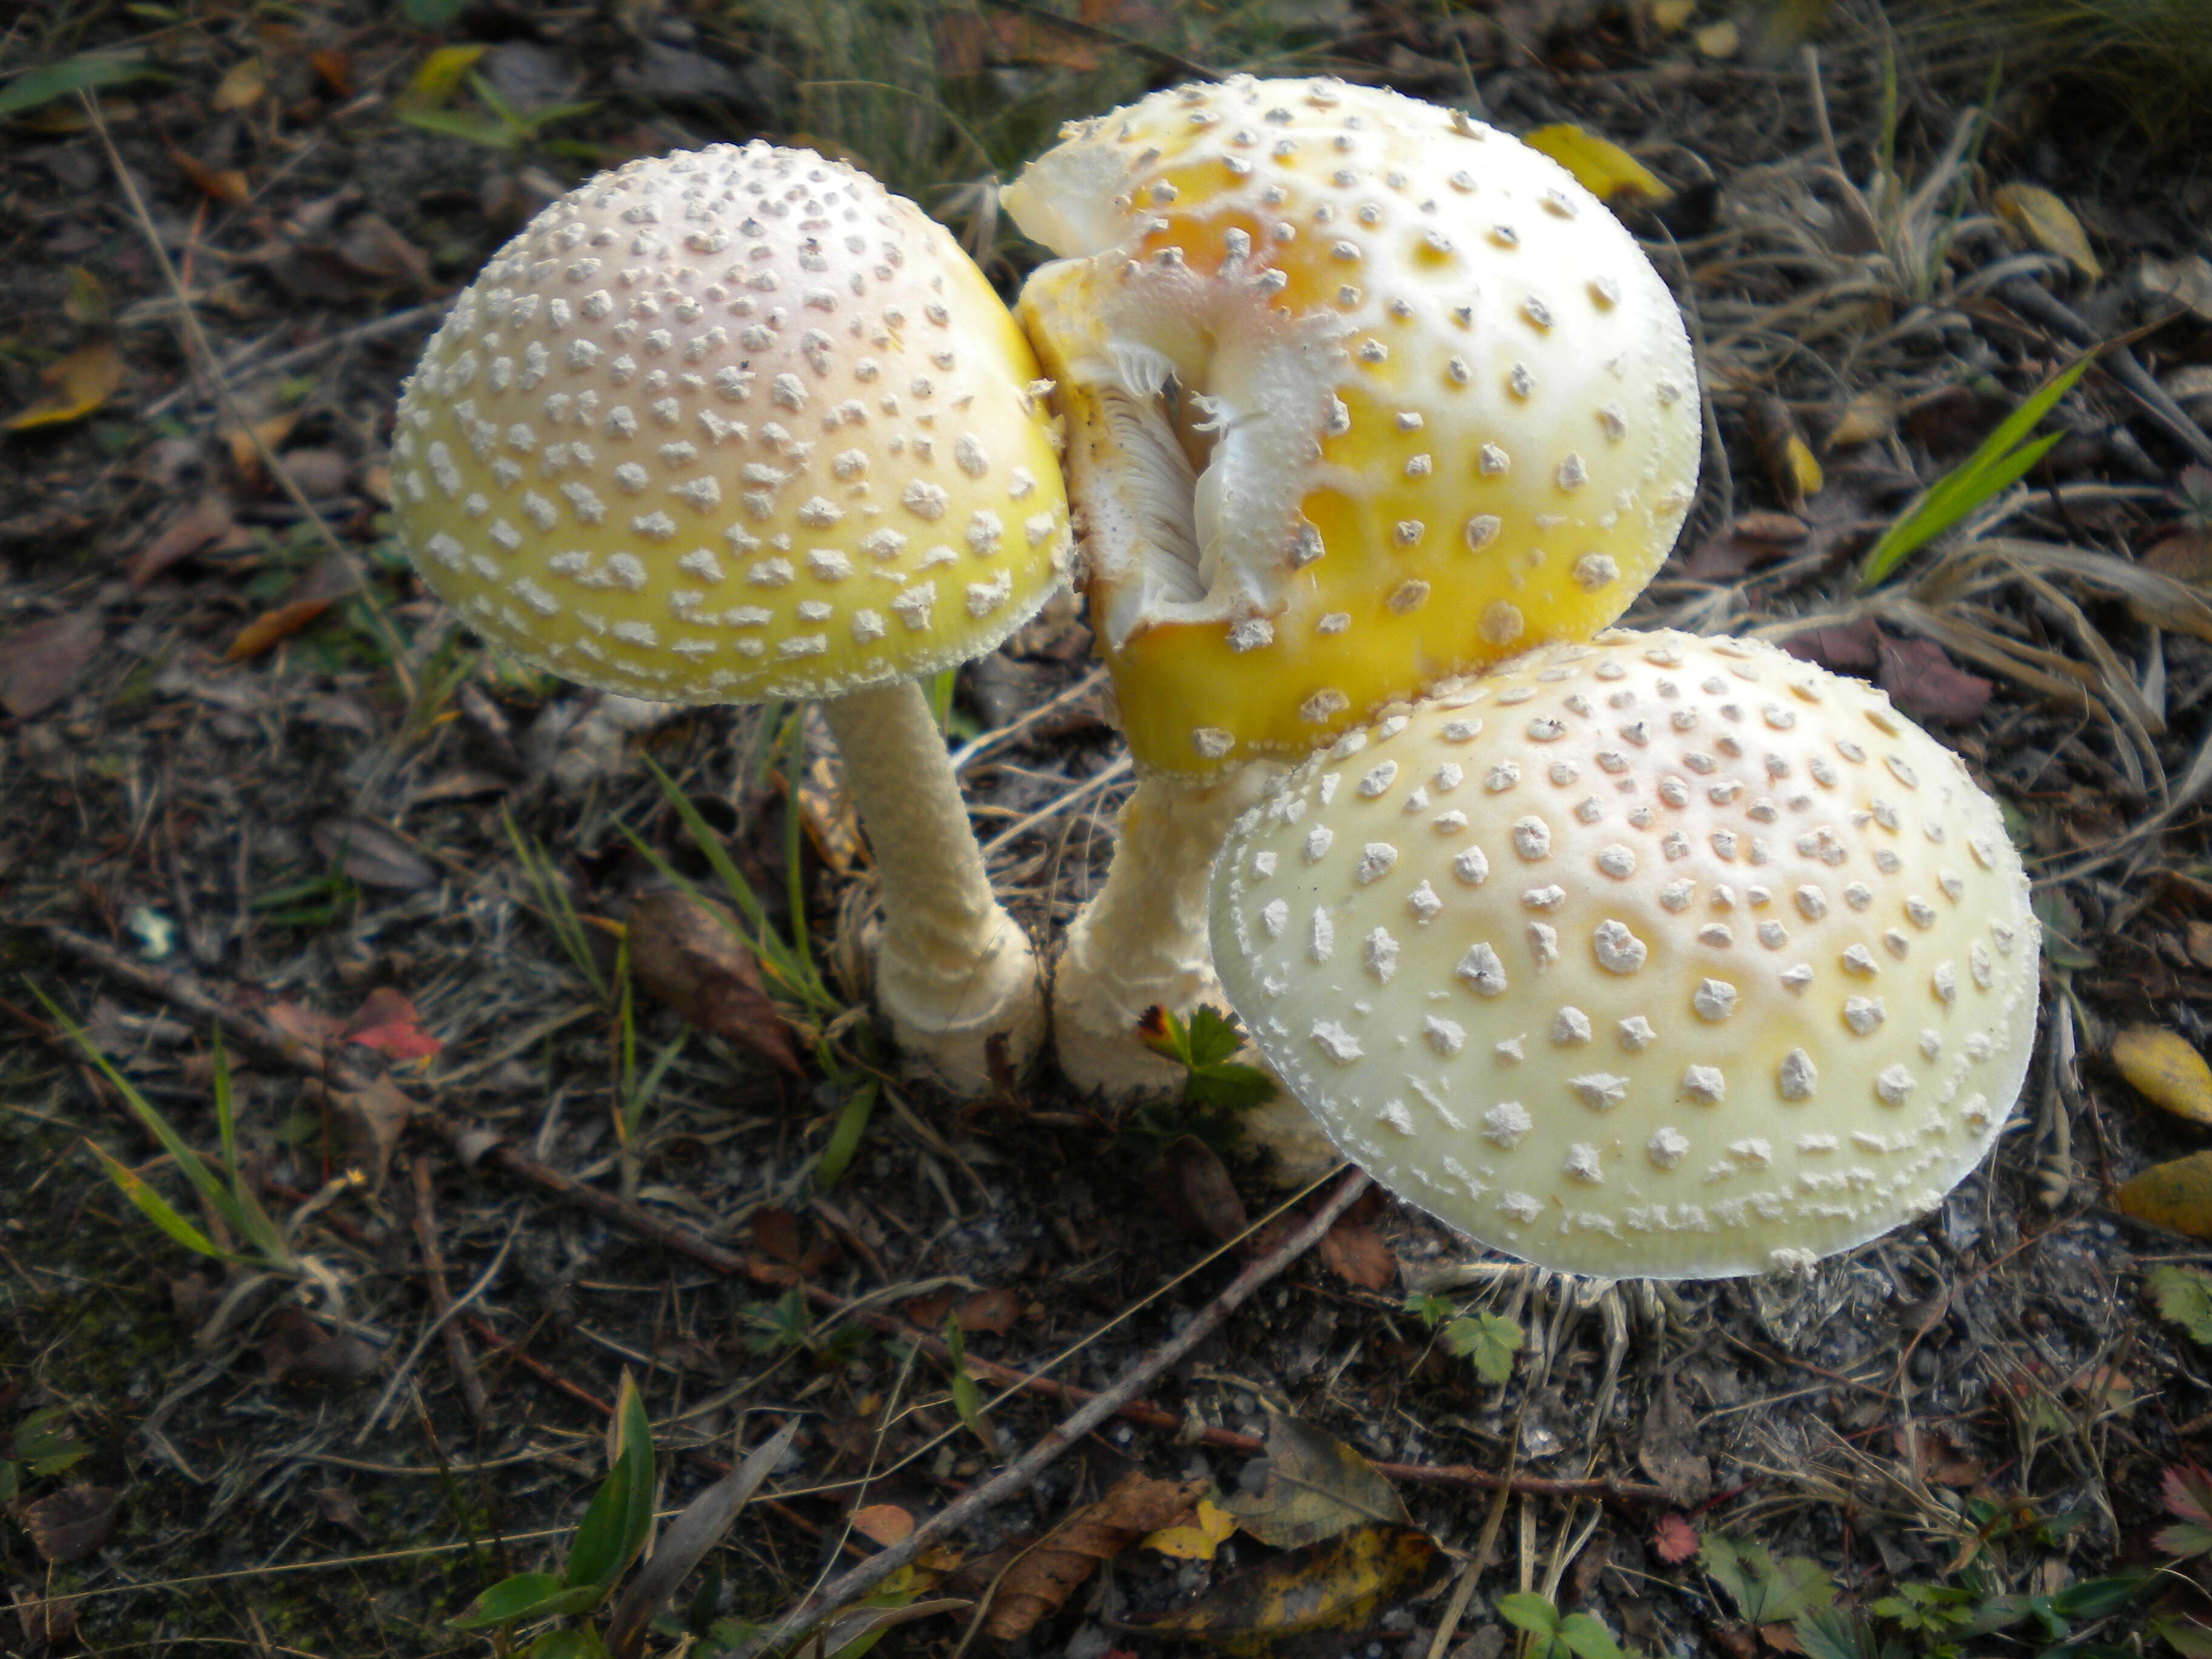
1017,1476
1120,767
442,1298
1013,728
397,322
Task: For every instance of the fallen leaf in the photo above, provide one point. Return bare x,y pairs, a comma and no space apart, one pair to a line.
994,1312
246,443
2186,282
1924,681
1193,1187
308,1025
336,71
336,1505
389,1024
780,1255
688,954
224,184
1781,450
241,87
1842,648
40,665
205,522
1355,1253
883,1524
827,815
1316,1488
297,1351
1600,166
68,1525
369,1121
1334,1587
437,75
372,855
1671,16
2175,1195
1716,41
1674,1541
1041,1579
272,628
1804,470
2166,1068
86,303
2048,224
81,382
2184,1295
2200,942
1664,1446
1196,1538
1869,416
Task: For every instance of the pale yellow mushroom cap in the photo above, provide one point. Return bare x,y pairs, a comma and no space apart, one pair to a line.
733,424
1657,956
1436,407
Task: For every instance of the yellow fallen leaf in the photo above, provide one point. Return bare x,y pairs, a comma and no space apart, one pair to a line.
1195,1541
1802,467
2167,1069
82,382
1870,415
2050,224
1716,41
2177,1196
1600,166
434,79
241,86
1669,17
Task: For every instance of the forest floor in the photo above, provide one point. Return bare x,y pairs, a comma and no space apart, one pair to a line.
247,765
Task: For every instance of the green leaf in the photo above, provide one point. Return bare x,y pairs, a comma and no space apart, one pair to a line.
2098,1598
1431,1311
80,74
1530,1612
2183,1296
619,1518
11,1482
1586,1638
1999,461
967,1400
1765,1591
845,1138
155,1208
433,13
2185,1635
1489,1340
251,1220
43,1441
565,1645
1831,1633
525,1595
1206,1047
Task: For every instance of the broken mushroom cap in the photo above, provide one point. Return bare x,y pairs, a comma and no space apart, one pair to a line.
727,425
1659,957
1361,393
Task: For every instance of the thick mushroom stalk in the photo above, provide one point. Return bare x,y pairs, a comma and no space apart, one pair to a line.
1360,395
1659,957
739,424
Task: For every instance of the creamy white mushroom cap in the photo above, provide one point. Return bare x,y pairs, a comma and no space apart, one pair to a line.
733,424
1658,956
1435,406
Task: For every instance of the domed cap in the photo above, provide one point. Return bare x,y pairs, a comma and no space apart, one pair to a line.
1661,957
729,425
1434,406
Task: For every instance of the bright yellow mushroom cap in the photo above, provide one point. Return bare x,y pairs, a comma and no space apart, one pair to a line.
727,425
1361,393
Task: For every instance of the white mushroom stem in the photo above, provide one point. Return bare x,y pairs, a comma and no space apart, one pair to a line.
1141,941
954,970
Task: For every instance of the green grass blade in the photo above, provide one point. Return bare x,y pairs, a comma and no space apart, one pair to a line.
710,846
247,1216
553,900
649,1085
1999,461
795,846
155,1208
845,1138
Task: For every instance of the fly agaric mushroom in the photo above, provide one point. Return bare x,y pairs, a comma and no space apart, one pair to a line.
1361,393
1660,956
740,424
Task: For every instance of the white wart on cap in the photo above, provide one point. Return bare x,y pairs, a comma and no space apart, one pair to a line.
733,424
1660,956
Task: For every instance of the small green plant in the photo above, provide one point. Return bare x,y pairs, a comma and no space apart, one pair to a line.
1998,462
617,1527
41,1446
1765,1591
1557,1635
1218,1088
501,126
1488,1341
2194,497
233,1208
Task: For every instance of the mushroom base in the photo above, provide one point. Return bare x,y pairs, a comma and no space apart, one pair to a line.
955,973
1141,941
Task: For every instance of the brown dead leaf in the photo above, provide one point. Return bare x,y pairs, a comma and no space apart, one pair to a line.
1923,681
335,69
205,522
1192,1185
1315,1486
1355,1253
68,1525
2166,1068
241,87
994,1312
224,184
81,382
885,1524
1042,1579
2186,282
308,1025
245,445
2200,942
2047,221
2176,1195
1869,416
826,812
295,1350
687,953
271,628
40,665
1674,1541
780,1255
370,1122
372,855
1845,650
